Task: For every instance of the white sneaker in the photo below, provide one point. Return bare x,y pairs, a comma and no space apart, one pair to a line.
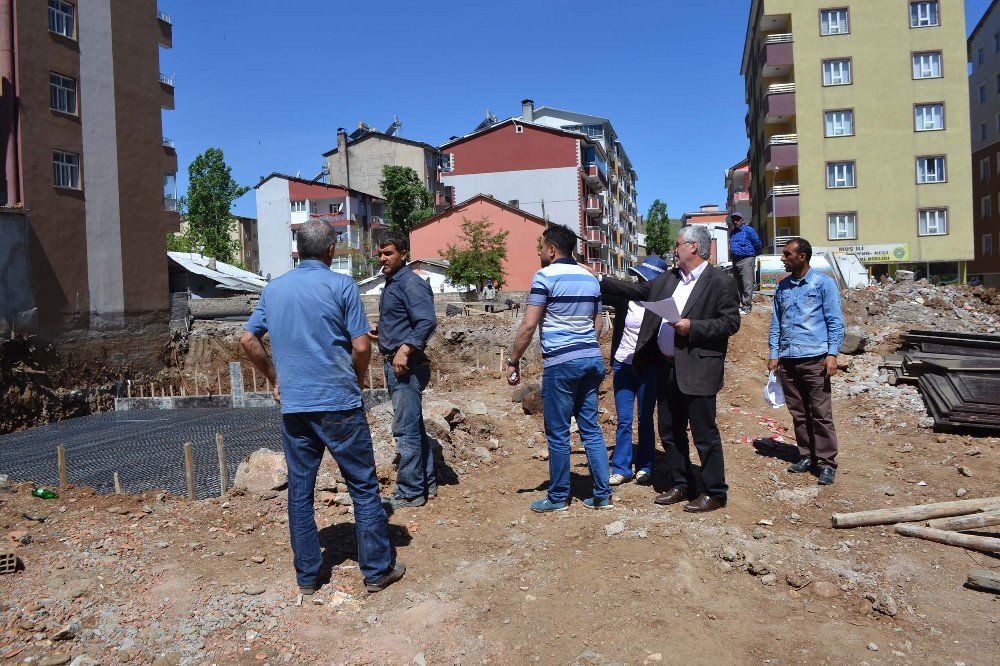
643,477
617,479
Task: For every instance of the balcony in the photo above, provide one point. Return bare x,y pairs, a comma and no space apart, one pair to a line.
166,92
166,29
597,265
782,151
779,103
776,55
594,207
595,237
783,201
168,143
594,174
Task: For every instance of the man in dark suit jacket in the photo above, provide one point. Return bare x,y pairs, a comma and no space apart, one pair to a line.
690,356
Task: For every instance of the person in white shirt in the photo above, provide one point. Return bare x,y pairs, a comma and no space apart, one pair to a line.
631,386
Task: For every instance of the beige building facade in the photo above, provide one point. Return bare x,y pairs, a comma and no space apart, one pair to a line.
859,130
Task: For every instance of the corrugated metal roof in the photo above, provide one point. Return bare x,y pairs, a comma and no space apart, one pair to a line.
225,275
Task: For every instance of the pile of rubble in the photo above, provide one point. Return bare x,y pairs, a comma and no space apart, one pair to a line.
920,304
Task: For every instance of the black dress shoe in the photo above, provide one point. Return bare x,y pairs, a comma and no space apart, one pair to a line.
672,496
827,476
704,503
803,465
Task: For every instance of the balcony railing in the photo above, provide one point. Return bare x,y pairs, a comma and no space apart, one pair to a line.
168,143
783,191
170,203
167,80
780,38
783,139
163,16
595,236
595,207
780,88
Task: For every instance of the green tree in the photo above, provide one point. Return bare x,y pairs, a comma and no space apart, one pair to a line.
407,201
478,257
209,201
660,233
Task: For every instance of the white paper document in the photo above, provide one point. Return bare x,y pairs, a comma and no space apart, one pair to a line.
667,308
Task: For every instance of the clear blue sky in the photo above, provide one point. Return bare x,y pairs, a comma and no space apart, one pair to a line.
270,82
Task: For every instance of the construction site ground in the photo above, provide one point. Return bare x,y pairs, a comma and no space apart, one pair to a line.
154,578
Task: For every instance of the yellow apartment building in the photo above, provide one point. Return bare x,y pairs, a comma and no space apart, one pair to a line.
859,130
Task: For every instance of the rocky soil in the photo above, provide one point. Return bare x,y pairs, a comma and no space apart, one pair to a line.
152,578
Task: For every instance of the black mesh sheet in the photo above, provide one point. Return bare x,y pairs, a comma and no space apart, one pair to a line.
145,448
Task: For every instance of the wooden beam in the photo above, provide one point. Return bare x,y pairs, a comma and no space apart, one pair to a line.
984,579
970,541
911,514
969,522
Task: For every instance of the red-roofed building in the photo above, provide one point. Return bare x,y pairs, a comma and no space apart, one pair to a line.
284,203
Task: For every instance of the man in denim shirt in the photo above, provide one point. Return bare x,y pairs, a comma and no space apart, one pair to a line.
319,340
406,324
744,246
807,328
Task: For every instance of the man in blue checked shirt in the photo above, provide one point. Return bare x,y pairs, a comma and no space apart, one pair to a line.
565,300
807,328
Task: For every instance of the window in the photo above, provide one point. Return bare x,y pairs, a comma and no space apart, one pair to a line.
984,169
839,123
295,262
984,131
931,170
997,84
985,207
61,18
927,65
842,226
62,93
924,14
839,174
927,117
298,206
996,42
295,236
980,56
982,93
833,22
987,245
312,206
66,169
837,72
170,190
341,264
515,203
933,222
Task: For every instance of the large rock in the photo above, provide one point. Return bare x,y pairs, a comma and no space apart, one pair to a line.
521,391
437,427
532,402
263,470
329,477
476,408
854,340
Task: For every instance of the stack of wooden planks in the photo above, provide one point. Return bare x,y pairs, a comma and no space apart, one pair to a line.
958,375
942,522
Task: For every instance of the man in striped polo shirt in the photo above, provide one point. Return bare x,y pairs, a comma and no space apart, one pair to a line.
566,300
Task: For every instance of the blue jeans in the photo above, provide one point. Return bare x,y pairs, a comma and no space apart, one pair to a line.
346,435
630,386
570,389
415,475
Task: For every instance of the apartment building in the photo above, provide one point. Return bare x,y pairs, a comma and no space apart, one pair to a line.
243,234
555,165
285,203
359,157
737,184
859,130
556,175
984,104
84,154
619,224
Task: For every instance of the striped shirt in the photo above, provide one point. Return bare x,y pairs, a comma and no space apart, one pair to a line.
571,297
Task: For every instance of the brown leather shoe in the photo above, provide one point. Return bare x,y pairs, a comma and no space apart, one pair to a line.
672,496
704,503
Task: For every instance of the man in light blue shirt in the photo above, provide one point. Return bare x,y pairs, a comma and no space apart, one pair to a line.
807,328
321,349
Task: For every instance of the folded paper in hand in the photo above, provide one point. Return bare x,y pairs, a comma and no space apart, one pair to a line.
773,393
667,308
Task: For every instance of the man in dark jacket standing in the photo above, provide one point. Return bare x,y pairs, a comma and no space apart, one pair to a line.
690,356
744,246
406,324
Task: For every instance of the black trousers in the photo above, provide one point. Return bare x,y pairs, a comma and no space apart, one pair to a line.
675,411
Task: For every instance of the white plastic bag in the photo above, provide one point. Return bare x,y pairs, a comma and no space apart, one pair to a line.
773,393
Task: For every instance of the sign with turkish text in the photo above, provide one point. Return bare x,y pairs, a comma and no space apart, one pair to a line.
883,253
